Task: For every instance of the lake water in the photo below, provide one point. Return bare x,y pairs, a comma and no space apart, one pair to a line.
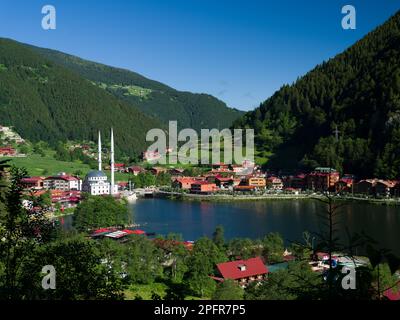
255,219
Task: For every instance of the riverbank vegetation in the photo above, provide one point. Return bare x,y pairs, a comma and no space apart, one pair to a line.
176,194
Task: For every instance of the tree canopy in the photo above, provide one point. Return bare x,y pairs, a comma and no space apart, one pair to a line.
100,212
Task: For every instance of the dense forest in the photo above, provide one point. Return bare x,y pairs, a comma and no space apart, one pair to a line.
191,110
345,113
45,101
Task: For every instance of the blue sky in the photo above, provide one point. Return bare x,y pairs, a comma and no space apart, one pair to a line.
238,51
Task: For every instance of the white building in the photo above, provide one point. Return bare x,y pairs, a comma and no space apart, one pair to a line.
95,182
62,181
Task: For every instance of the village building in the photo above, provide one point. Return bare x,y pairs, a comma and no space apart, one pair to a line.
257,182
274,183
118,167
176,172
248,164
203,187
243,271
240,170
322,179
65,198
220,166
96,183
63,182
184,183
151,156
244,188
224,182
7,133
157,170
236,168
345,184
366,187
33,183
297,181
383,188
135,170
7,152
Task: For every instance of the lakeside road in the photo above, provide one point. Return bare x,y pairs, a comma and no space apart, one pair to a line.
235,197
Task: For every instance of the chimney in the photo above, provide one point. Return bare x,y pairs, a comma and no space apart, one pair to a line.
242,267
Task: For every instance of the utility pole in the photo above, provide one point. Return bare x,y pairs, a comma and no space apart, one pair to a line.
336,132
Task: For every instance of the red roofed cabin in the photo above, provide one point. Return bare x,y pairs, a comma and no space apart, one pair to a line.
120,167
34,183
7,151
135,170
274,183
243,271
157,170
322,179
296,182
345,184
365,187
383,188
184,183
203,187
392,294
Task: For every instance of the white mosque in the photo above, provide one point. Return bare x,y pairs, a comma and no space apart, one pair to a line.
95,182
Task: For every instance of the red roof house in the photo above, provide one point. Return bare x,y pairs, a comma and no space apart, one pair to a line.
203,187
184,182
393,294
7,151
32,182
243,271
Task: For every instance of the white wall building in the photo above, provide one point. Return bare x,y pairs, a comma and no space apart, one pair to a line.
95,182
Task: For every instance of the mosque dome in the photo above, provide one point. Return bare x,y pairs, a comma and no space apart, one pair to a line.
96,175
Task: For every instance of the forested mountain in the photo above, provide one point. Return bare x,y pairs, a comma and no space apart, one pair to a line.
154,98
45,101
357,93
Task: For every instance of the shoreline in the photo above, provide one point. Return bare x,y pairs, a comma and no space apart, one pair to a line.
241,198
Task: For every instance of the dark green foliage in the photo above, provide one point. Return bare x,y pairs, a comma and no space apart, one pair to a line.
80,272
190,110
205,256
163,179
45,101
218,237
297,282
20,232
357,92
228,290
244,248
100,212
273,247
144,179
143,260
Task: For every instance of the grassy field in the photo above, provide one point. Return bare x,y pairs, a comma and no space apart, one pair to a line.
37,165
145,291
